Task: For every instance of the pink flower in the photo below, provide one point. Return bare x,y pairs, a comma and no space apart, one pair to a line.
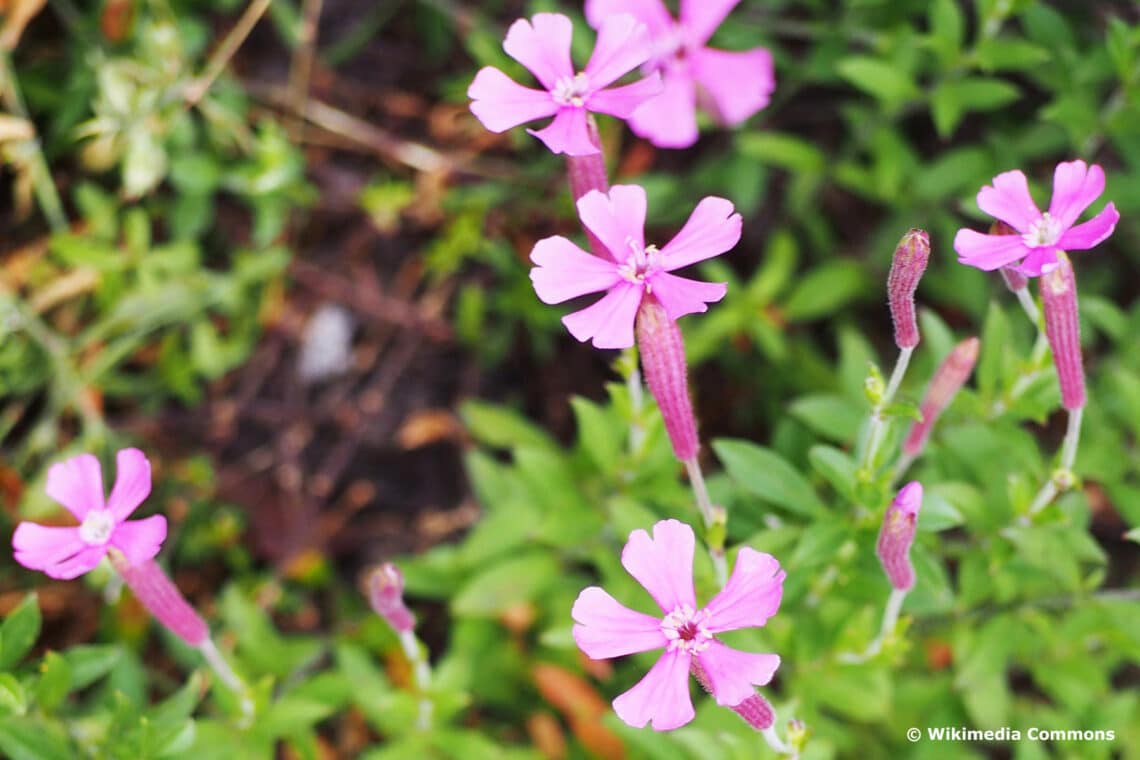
663,564
1075,186
77,484
633,269
732,85
542,45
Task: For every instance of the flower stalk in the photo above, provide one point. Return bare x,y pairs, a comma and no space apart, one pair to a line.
386,596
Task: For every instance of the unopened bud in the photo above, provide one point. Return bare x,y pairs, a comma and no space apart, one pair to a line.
909,262
386,595
948,379
1063,329
897,534
663,361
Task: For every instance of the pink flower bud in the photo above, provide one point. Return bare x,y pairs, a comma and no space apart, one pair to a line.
907,266
757,712
663,361
948,379
897,534
162,599
1011,274
1063,328
386,595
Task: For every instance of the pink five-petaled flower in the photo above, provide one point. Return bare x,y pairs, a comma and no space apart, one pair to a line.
663,564
543,46
738,84
633,269
1039,236
77,484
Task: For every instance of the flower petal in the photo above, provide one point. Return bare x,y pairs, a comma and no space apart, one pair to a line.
500,103
1039,261
732,674
681,296
1075,186
40,546
606,628
623,101
140,540
712,229
670,119
83,562
652,13
622,45
1008,199
565,271
616,218
988,252
663,564
1091,233
702,17
132,483
662,696
543,46
751,596
77,484
739,83
568,133
609,321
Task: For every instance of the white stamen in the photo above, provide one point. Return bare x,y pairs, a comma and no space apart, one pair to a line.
571,91
641,263
97,527
685,629
1043,232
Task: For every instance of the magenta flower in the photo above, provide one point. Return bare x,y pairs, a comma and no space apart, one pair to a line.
633,269
1075,186
663,564
542,45
731,85
77,484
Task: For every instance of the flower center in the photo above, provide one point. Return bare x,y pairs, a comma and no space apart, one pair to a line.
1045,231
642,262
685,629
571,91
97,527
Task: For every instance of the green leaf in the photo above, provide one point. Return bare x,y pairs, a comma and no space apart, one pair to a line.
882,79
832,417
90,662
766,474
995,352
953,99
28,738
947,29
1009,54
785,151
19,632
861,693
825,290
55,681
937,514
837,468
506,583
503,428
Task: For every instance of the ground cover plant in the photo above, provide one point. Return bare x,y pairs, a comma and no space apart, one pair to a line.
431,379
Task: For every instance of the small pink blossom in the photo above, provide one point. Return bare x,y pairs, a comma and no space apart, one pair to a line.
731,85
633,270
542,45
77,484
663,564
1039,235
